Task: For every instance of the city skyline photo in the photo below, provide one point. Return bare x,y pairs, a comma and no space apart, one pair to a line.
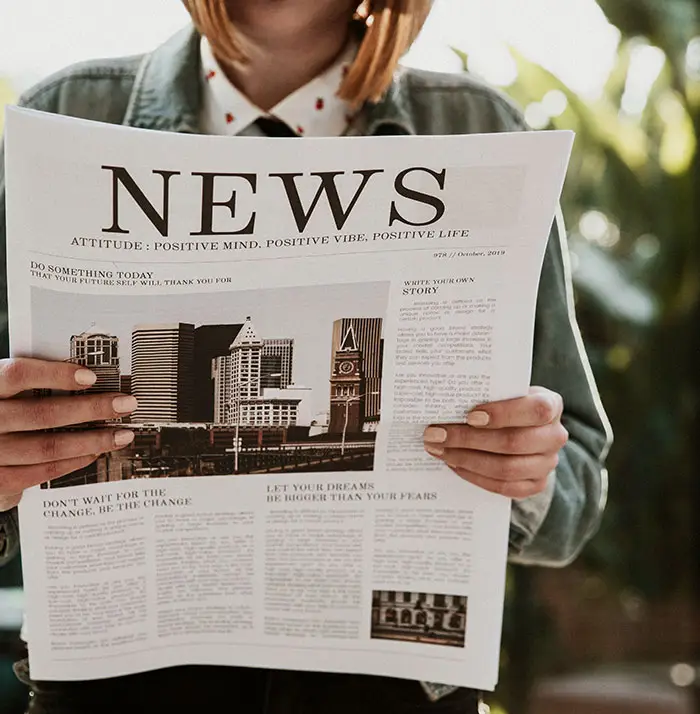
217,393
304,314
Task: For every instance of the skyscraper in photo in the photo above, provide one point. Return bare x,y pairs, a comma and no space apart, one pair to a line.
221,374
348,387
250,382
99,352
246,363
125,384
237,376
368,335
210,342
276,363
162,372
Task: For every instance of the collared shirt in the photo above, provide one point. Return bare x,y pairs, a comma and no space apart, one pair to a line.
312,110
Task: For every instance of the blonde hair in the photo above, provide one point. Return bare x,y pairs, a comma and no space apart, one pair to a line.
388,27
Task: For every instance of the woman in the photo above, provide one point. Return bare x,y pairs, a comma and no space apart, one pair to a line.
314,68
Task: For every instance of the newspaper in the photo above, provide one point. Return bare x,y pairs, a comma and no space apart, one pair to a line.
290,316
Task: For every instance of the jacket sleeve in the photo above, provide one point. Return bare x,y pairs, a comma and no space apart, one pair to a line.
9,536
9,530
551,528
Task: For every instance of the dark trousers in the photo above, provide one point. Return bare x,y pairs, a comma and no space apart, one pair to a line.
228,690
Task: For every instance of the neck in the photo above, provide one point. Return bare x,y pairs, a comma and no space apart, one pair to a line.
279,64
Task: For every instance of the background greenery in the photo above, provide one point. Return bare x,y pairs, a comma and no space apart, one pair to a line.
632,206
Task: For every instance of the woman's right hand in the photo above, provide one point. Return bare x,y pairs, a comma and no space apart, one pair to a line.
28,455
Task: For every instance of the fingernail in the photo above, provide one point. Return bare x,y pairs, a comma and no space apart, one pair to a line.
434,450
124,405
124,437
435,434
478,419
85,378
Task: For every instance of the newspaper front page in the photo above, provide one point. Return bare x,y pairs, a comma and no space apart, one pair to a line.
290,316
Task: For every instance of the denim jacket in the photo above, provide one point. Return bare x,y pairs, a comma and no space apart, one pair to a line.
161,90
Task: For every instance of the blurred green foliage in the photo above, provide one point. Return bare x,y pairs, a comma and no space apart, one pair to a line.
641,170
632,205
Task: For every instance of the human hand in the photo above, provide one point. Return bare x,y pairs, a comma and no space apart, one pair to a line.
27,455
508,447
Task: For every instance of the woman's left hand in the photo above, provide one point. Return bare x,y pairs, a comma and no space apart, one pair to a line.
507,447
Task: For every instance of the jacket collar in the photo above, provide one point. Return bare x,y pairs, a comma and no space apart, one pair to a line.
391,115
167,93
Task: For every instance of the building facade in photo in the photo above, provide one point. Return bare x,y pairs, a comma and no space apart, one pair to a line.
210,343
162,372
223,406
276,363
251,381
419,617
246,367
348,387
125,384
98,352
300,394
368,334
269,411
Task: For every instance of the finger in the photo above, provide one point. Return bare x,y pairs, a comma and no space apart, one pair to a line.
539,407
14,479
21,374
27,449
7,503
511,489
511,440
501,467
53,412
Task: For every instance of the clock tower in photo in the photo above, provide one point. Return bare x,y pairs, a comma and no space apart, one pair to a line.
347,387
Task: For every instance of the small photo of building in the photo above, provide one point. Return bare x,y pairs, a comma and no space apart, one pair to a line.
433,619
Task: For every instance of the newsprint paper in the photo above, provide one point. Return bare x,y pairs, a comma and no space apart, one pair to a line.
290,315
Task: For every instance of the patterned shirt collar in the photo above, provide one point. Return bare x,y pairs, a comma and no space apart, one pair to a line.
312,110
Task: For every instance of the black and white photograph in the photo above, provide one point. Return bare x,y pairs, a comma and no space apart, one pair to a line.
246,382
428,618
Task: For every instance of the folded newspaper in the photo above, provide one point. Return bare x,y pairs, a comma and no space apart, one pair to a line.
289,315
